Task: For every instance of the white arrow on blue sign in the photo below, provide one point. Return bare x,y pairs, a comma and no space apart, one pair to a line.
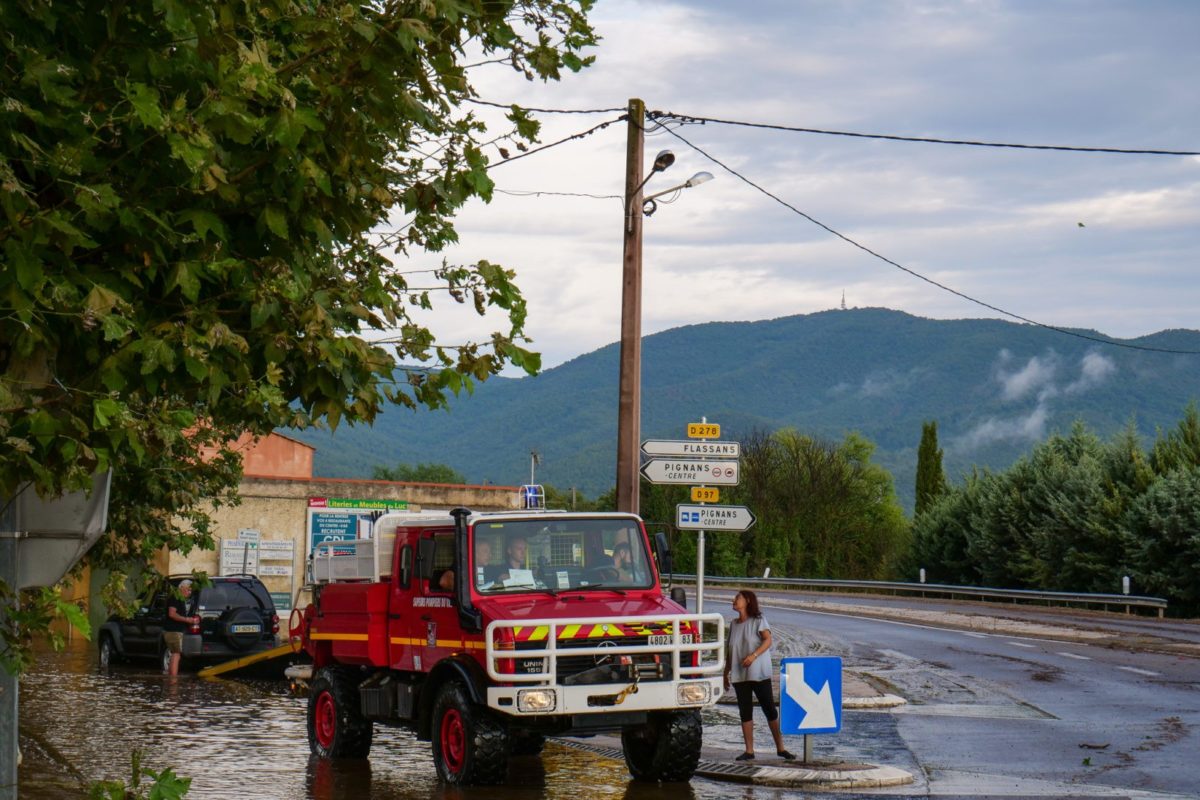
810,695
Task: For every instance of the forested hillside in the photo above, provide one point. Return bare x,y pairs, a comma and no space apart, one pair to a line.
994,388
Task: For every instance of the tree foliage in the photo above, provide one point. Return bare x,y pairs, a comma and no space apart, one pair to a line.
931,478
823,509
419,473
1076,514
201,202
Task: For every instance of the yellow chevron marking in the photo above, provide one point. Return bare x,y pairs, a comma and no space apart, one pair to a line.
569,632
539,633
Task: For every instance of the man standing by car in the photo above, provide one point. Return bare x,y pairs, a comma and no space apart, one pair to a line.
177,623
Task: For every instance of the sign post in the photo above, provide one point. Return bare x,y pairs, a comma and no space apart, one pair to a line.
810,697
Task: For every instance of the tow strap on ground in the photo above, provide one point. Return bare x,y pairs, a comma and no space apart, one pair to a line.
245,661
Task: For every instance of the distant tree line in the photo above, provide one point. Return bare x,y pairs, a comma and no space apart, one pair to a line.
1076,514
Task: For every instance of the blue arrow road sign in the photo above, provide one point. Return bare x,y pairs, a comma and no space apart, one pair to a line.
810,695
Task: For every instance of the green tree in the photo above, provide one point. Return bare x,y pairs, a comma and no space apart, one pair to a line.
419,473
824,509
1178,448
931,478
201,202
1164,525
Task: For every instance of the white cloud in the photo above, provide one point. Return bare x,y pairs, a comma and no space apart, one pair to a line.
1036,376
1094,369
1031,428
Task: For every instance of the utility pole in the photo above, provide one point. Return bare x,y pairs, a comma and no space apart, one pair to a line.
629,406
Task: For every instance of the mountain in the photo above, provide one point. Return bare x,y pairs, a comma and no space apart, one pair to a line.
994,387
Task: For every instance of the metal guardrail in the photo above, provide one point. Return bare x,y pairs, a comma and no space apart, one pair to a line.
945,590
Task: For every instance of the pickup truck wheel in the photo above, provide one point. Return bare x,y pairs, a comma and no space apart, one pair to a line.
470,745
336,727
108,651
666,748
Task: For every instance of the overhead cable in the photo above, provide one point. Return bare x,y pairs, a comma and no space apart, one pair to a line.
914,273
509,106
688,119
570,138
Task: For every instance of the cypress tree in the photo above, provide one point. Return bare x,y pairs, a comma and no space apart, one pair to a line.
931,480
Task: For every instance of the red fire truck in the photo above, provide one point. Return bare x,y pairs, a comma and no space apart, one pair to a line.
487,632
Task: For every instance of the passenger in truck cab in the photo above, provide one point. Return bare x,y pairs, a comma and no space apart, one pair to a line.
514,556
623,562
446,581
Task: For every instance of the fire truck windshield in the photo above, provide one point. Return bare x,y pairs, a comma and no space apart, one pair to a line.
556,554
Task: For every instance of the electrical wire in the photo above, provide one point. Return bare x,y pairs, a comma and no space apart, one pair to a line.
570,138
508,106
687,119
539,193
918,275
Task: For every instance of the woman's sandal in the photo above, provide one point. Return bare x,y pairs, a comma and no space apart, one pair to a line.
786,755
745,757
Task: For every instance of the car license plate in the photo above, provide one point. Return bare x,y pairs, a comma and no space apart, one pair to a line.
246,628
662,639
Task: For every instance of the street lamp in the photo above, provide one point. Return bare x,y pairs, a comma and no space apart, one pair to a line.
629,405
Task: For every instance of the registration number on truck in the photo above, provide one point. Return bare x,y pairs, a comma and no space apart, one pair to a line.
245,629
663,639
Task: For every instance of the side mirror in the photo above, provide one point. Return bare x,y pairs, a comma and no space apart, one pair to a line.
425,559
679,596
665,562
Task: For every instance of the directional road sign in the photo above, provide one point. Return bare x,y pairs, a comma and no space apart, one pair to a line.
713,518
810,695
691,449
703,430
679,470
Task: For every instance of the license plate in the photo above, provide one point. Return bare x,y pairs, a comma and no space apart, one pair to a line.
246,628
662,639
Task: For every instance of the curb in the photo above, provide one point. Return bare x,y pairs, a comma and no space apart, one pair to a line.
879,701
831,776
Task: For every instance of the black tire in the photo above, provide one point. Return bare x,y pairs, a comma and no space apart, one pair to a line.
470,744
527,744
108,651
246,639
336,727
666,748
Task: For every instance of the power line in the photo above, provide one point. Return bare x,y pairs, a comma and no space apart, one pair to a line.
687,119
570,138
508,106
916,274
539,193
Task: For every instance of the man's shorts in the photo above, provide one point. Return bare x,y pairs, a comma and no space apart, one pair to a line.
174,641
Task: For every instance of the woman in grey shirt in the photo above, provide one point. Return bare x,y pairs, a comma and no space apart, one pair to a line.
748,668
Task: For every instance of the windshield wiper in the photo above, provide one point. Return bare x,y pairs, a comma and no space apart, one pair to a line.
531,587
591,586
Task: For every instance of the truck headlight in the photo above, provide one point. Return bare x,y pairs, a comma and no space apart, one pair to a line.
693,694
535,701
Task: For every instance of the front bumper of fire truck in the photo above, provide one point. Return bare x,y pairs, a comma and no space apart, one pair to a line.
679,667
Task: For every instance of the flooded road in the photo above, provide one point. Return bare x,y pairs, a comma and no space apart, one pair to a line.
247,740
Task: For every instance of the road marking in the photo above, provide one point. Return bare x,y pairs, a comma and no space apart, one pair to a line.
1137,671
1020,644
975,635
1075,655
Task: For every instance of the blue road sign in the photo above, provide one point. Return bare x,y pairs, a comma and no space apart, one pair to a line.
810,695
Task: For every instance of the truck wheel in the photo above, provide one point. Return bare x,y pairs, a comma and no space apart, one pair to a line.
336,728
470,746
527,744
666,748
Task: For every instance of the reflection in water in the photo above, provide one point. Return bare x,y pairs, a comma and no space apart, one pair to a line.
247,740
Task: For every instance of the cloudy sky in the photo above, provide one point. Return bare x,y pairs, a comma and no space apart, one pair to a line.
998,224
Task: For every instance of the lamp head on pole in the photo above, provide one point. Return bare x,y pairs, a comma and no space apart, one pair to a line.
664,159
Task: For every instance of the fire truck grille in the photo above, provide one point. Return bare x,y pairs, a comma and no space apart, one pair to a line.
601,668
